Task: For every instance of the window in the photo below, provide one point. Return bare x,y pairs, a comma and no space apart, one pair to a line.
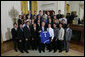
29,5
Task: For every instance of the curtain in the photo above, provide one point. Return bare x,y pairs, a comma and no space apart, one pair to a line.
66,8
24,7
33,6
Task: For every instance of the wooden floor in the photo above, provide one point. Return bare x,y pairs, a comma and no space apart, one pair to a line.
7,46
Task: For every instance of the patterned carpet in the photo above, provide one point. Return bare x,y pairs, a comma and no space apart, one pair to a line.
36,53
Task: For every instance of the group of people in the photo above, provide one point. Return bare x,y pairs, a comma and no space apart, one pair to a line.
37,32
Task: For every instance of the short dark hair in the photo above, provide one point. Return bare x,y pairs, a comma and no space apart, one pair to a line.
40,11
59,10
49,23
60,23
15,24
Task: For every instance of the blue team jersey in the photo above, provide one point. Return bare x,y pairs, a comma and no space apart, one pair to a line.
44,36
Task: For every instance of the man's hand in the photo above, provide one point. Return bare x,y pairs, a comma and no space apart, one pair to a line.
51,40
26,39
20,40
32,39
40,31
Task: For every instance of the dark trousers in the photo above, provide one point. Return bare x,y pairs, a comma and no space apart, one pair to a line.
55,46
26,45
34,44
49,46
21,46
60,45
66,45
15,42
42,47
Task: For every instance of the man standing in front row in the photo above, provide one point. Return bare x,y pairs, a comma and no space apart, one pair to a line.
67,37
51,32
55,40
15,36
27,35
61,38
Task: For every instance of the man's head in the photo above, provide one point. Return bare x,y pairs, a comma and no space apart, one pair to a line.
54,25
28,23
38,21
43,23
49,16
34,25
60,25
28,16
15,25
39,16
53,12
43,16
32,20
21,25
63,21
48,13
50,20
54,16
20,16
56,21
49,25
59,11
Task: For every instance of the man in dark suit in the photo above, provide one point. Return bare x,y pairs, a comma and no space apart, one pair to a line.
27,34
55,39
39,18
42,28
21,38
34,37
38,24
59,15
14,36
64,24
20,20
67,38
29,14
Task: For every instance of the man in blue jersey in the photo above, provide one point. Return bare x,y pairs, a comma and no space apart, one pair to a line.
44,37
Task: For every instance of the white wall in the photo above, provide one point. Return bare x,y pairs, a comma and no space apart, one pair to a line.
6,21
52,5
75,6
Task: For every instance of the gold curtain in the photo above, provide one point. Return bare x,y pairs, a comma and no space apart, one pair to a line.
66,8
33,6
24,7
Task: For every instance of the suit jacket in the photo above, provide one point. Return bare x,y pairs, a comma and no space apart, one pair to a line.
56,33
20,33
27,32
59,16
19,22
61,34
68,34
14,34
34,33
38,27
64,26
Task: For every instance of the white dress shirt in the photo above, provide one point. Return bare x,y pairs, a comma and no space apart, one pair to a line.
50,30
61,34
